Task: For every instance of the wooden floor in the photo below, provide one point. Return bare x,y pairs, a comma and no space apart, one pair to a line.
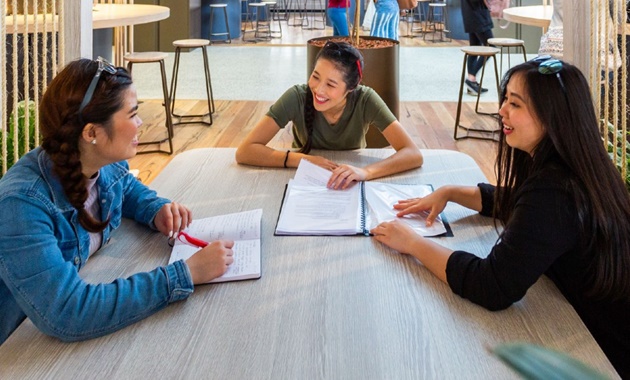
429,123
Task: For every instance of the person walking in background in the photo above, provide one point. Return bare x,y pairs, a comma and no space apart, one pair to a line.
338,16
386,19
478,24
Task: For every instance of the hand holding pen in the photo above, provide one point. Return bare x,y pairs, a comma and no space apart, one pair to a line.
211,261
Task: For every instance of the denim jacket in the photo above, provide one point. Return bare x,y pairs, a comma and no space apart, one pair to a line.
43,247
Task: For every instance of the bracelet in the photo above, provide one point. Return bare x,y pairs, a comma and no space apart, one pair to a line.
286,158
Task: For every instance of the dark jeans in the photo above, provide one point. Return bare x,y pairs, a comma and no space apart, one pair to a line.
474,64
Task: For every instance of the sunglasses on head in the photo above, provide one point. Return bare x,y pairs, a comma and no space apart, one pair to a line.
548,65
103,65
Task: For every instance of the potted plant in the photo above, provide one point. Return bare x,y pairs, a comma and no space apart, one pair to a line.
381,70
621,158
19,121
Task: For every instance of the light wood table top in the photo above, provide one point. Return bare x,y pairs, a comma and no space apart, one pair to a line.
325,307
103,16
534,15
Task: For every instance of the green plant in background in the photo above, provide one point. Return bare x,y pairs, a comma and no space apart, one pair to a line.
19,122
619,160
536,362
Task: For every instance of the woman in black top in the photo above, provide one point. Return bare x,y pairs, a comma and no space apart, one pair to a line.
563,205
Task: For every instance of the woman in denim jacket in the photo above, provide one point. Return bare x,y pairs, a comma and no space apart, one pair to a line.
61,202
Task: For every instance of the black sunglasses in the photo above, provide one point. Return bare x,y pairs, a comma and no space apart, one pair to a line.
103,65
549,65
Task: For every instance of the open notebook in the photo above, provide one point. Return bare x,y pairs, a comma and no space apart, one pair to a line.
310,208
242,227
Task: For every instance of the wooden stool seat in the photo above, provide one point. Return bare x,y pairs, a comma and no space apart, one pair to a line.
508,43
480,51
191,43
485,52
496,41
155,57
145,56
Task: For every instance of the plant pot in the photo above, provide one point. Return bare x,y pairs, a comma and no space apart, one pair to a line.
380,72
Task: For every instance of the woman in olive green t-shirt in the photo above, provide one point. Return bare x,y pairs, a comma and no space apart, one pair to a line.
331,112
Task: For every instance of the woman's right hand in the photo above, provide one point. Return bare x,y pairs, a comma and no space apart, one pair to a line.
211,262
434,203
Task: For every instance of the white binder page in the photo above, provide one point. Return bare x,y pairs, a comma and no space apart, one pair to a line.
381,198
317,210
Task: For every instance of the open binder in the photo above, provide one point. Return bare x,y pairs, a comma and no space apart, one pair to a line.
310,208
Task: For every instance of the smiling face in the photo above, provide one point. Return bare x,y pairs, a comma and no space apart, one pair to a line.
328,87
522,128
118,143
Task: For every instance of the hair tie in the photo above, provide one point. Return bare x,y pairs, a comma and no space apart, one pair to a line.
360,71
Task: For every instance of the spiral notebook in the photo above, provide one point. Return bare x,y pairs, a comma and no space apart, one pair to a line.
310,208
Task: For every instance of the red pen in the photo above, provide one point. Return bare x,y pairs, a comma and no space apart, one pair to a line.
185,238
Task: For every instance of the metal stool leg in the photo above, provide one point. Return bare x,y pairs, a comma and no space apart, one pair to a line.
227,25
167,109
493,132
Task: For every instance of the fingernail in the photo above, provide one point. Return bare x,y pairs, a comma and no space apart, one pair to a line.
170,234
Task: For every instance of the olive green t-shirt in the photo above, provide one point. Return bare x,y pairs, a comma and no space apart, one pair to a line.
363,107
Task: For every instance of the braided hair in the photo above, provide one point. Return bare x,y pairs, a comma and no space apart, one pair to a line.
62,126
349,61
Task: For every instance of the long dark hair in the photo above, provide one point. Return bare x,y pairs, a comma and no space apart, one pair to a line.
61,125
565,109
346,59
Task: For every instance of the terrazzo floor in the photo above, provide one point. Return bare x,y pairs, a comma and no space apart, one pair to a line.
263,73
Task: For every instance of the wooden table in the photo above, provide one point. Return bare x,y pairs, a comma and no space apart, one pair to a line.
104,17
325,307
107,16
534,15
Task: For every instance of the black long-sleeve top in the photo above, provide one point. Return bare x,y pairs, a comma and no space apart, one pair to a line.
542,236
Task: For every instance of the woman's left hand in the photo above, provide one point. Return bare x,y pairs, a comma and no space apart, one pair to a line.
344,175
172,218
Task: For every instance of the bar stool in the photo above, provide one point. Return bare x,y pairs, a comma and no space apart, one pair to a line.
410,19
245,16
272,6
422,20
283,13
261,27
155,57
485,52
189,44
508,43
227,24
321,9
300,18
438,17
